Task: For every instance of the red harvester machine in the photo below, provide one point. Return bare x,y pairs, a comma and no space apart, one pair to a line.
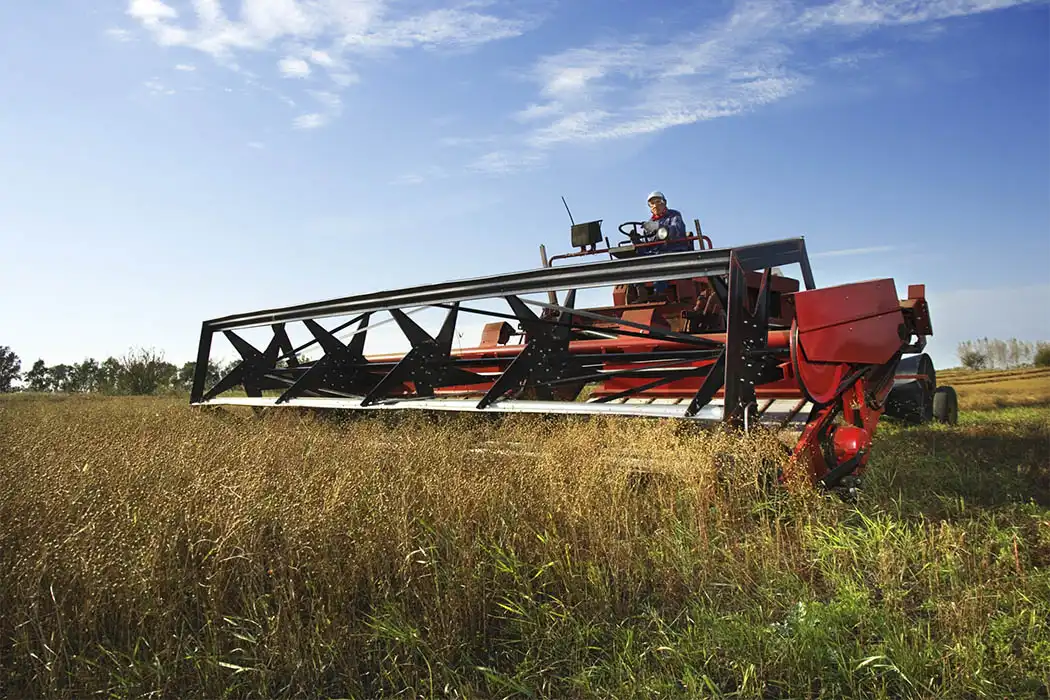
709,334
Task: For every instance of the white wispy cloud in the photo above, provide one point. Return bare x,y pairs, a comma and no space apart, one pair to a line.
453,27
313,120
612,90
854,59
333,36
329,107
156,87
458,141
185,67
321,58
119,34
151,12
503,162
876,13
428,174
853,251
154,16
293,67
753,57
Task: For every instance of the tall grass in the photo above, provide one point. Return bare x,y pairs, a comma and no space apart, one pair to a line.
148,549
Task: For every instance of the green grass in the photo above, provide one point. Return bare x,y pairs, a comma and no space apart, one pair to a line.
147,548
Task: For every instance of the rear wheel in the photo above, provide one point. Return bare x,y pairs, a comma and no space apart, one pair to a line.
911,397
945,405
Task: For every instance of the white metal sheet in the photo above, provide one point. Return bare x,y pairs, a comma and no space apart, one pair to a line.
710,413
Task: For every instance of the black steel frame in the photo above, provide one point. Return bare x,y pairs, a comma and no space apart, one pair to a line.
740,364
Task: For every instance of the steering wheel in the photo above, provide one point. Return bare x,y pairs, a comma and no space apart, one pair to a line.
644,231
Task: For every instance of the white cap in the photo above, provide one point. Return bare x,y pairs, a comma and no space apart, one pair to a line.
655,194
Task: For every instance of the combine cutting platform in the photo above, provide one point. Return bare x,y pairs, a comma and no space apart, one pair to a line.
710,334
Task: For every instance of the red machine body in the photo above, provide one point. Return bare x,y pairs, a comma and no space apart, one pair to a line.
825,336
719,335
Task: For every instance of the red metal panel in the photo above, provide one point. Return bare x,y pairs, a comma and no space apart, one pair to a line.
644,316
687,388
870,340
830,306
778,340
821,380
807,453
685,290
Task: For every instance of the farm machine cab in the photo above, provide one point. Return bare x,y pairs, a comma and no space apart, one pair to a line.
713,335
692,305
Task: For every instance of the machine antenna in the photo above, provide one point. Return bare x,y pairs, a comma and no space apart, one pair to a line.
567,210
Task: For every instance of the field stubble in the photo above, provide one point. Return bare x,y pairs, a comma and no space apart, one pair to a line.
148,548
987,389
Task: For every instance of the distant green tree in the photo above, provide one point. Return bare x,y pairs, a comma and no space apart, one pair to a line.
186,372
10,369
59,377
971,356
84,376
1042,355
38,378
145,372
109,375
971,359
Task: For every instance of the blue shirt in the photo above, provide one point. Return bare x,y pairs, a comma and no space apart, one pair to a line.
674,223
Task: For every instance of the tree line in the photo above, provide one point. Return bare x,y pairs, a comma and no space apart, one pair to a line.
139,372
994,353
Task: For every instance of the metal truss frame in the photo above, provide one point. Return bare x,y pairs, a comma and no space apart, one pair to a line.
557,351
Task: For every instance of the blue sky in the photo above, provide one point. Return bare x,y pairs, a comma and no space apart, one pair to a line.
166,162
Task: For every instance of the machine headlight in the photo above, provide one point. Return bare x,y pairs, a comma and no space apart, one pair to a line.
661,233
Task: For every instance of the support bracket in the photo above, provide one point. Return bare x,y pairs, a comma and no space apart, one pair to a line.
544,359
428,365
251,371
343,368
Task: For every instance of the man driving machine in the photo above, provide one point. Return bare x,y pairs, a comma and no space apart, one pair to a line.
670,219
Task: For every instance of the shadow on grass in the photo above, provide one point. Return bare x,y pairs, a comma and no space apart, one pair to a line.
991,459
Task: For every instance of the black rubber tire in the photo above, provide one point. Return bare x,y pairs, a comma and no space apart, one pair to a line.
945,405
911,401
